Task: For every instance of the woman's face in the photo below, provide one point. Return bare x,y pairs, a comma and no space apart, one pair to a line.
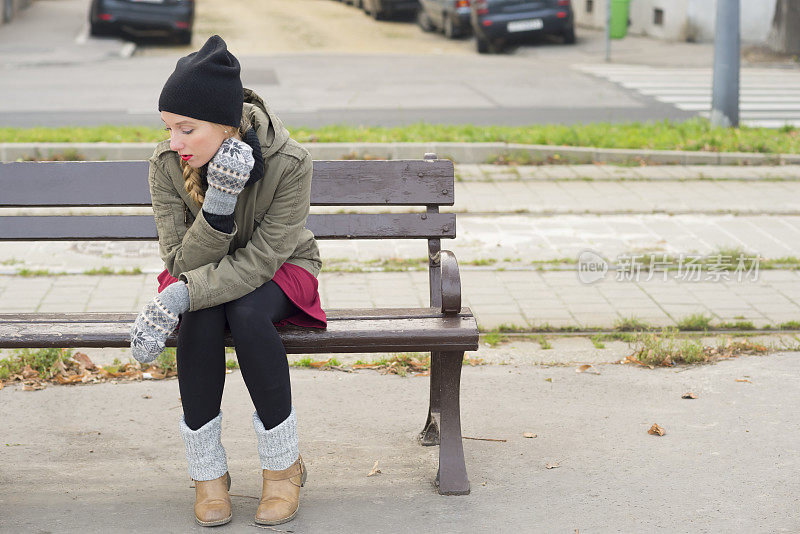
194,140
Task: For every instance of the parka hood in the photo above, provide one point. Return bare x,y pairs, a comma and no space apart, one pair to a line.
271,132
266,136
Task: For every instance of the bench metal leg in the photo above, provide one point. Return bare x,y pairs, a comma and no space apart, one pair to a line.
452,477
430,433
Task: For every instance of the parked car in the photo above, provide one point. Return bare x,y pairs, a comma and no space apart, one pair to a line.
381,9
498,22
142,18
451,17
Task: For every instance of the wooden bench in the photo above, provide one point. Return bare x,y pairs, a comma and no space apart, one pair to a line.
445,329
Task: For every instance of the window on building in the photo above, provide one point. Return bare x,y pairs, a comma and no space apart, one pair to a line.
589,6
658,17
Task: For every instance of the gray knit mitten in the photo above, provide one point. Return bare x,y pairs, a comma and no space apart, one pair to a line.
278,448
157,321
228,172
205,454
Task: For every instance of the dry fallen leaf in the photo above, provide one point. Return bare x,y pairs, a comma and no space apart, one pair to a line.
69,379
689,395
146,396
743,380
656,430
155,373
28,372
552,465
32,386
528,435
586,368
375,469
416,365
319,364
633,359
84,361
61,379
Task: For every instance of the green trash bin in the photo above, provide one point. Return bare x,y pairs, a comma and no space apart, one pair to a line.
619,18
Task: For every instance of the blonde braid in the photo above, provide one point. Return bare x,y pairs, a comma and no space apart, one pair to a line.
193,179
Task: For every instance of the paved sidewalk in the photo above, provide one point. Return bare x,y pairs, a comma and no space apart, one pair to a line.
524,299
108,458
505,240
512,220
538,213
608,172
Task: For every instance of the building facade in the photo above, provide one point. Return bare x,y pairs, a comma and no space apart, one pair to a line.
680,20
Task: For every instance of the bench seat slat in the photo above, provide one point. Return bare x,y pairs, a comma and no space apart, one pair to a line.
124,183
352,330
335,314
143,227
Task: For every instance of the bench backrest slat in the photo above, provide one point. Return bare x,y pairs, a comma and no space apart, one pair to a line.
143,227
124,183
429,182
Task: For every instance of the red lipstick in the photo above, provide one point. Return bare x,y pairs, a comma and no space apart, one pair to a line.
186,157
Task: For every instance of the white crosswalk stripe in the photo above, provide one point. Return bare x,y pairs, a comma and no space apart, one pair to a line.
768,97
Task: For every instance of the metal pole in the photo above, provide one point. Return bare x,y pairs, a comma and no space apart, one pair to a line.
608,31
725,96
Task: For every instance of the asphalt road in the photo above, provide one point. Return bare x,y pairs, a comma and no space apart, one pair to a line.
56,75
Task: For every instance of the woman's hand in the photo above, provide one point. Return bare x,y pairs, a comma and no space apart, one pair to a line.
157,321
228,172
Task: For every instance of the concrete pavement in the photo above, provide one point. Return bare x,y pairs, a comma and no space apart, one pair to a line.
108,458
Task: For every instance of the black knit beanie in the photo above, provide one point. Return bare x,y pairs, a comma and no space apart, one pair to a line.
206,85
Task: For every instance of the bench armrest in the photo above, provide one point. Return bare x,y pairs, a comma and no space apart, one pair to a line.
451,283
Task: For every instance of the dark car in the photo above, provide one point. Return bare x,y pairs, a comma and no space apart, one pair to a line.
143,18
381,9
451,17
498,22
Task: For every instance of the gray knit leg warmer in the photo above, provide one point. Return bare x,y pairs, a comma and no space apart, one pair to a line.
278,447
204,451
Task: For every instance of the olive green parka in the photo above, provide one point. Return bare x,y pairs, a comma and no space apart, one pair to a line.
269,219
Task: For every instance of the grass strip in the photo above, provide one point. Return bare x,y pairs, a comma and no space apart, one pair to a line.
690,135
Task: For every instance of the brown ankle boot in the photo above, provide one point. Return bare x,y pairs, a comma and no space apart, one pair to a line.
280,495
212,504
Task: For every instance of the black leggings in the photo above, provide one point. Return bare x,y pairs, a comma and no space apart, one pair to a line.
262,358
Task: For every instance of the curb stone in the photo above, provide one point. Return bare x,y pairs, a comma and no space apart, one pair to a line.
457,152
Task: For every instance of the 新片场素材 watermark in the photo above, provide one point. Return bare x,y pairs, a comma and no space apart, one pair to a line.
592,267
